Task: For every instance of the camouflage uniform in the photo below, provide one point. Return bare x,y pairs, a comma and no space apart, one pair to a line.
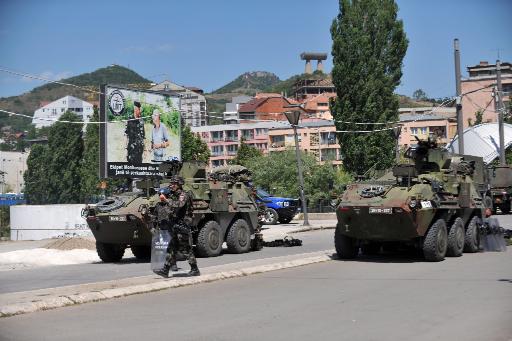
135,132
181,229
180,208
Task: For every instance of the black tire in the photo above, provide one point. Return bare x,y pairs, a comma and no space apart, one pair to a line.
456,239
370,249
270,217
209,240
110,253
505,208
435,242
472,236
239,237
345,246
285,220
141,252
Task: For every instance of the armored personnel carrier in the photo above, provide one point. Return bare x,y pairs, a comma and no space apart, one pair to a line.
500,193
433,203
224,211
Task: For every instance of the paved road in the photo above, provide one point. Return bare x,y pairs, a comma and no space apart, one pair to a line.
56,276
374,298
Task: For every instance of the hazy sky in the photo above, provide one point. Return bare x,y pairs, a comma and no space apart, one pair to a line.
209,43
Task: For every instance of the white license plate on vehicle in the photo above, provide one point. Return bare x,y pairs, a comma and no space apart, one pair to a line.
380,210
117,218
426,204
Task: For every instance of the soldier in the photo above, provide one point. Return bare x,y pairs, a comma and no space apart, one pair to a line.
180,203
135,133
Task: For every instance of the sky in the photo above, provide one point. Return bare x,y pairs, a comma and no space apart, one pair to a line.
208,43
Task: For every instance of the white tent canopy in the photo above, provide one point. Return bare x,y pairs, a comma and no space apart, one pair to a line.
483,140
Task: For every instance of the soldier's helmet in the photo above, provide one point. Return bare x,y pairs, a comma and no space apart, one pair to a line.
164,191
178,180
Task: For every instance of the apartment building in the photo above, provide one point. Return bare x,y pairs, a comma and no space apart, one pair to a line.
50,113
479,87
316,137
224,140
12,167
423,122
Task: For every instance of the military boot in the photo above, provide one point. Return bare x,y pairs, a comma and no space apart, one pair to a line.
194,270
164,272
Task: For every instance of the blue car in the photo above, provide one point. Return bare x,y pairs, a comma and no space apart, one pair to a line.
276,208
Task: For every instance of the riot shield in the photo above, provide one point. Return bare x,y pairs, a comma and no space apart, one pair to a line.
161,240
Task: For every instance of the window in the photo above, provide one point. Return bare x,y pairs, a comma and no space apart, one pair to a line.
414,131
423,130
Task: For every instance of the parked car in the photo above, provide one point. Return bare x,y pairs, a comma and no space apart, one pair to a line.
277,209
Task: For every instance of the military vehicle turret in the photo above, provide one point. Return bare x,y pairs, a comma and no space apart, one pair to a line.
224,210
433,203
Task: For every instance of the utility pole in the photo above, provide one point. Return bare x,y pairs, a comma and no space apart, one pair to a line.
499,108
460,122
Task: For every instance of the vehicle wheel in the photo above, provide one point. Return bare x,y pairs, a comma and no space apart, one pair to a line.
271,216
141,252
456,239
472,237
110,253
345,246
505,208
209,240
239,237
435,242
285,220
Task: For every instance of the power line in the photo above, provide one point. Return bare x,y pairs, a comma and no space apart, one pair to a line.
27,75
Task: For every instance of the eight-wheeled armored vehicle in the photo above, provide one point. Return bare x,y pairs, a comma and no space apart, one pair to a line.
433,203
224,211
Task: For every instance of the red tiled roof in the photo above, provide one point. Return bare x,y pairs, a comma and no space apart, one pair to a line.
252,105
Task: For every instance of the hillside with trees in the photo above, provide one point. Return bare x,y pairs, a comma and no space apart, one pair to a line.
28,102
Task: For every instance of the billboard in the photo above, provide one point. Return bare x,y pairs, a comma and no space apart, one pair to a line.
142,129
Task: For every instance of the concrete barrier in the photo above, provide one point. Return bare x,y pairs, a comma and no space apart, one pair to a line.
36,222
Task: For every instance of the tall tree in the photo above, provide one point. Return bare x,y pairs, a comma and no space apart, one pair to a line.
36,175
90,161
192,147
245,153
65,146
369,45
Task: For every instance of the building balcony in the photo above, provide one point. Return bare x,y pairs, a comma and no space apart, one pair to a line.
217,153
278,144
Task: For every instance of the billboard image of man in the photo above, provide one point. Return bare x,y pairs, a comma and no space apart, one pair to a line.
135,134
159,137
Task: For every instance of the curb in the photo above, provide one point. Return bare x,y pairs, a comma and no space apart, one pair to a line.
53,302
313,228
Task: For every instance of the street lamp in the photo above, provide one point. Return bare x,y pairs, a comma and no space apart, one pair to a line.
293,117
